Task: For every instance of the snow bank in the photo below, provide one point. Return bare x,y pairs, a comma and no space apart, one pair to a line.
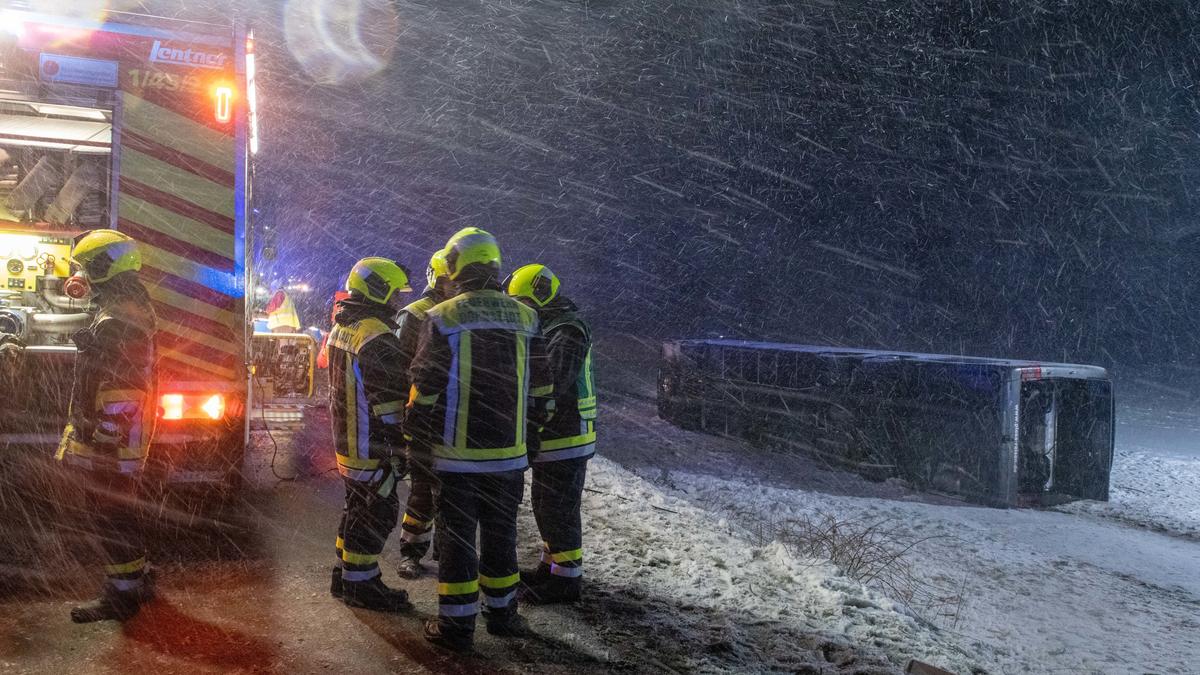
1037,591
660,545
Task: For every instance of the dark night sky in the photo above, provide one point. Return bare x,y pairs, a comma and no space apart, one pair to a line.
1001,178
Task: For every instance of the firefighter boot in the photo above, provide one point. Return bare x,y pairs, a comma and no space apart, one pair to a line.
536,575
553,590
455,641
508,624
410,568
374,595
335,583
113,605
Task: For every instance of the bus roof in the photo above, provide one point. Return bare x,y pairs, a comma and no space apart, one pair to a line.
1077,370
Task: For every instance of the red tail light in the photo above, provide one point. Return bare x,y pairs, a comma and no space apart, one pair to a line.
191,406
172,406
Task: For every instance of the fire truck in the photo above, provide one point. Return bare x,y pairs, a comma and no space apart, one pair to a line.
147,126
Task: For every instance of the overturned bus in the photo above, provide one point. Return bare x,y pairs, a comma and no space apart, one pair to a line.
993,431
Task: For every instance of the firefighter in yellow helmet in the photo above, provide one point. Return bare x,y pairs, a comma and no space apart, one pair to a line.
471,381
111,417
416,527
366,402
560,449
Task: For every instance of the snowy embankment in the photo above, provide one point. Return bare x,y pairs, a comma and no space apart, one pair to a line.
1022,590
1087,588
774,611
1151,490
1032,591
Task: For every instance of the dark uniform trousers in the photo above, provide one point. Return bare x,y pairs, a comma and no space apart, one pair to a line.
416,530
556,494
369,515
483,503
112,520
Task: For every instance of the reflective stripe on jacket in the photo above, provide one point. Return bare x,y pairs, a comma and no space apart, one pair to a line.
420,308
471,382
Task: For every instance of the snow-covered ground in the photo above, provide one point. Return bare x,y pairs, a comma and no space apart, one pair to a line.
1156,472
747,606
1087,588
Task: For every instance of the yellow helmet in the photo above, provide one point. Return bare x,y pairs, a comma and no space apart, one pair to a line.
437,269
533,282
471,246
103,254
377,279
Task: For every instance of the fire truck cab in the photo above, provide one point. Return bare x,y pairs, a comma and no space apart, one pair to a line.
142,125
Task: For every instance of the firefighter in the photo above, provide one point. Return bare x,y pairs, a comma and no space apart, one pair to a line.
323,353
416,528
111,416
366,403
561,448
281,314
469,405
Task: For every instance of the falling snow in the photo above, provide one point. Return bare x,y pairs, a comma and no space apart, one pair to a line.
1011,179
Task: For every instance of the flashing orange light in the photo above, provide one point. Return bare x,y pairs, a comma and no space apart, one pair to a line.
224,111
172,406
214,407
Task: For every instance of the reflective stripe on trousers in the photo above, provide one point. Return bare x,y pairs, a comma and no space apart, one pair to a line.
124,466
458,599
126,576
565,564
469,609
415,531
586,450
416,538
499,592
126,585
359,566
486,466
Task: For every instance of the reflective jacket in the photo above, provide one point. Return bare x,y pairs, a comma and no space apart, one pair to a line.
471,381
113,404
323,356
366,389
412,324
571,431
281,313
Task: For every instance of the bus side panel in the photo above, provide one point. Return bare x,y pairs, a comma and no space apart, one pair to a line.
958,425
